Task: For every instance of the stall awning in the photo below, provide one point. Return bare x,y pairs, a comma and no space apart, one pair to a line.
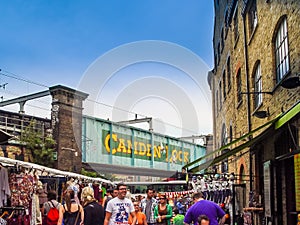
295,110
231,152
50,170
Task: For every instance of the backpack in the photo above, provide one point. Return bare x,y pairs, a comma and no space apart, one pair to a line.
52,216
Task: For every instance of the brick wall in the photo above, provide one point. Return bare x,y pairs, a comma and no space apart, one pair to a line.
67,126
260,47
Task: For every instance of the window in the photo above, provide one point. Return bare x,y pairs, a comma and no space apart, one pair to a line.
224,168
220,93
239,86
252,17
224,85
222,39
282,51
226,23
219,53
224,141
257,87
216,60
223,135
242,174
235,25
228,74
217,100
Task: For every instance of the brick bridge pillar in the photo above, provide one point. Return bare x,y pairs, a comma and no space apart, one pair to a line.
66,122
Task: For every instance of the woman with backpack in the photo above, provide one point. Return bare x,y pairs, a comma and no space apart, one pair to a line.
93,211
70,213
50,209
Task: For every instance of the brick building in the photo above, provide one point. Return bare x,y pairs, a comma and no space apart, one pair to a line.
65,126
256,111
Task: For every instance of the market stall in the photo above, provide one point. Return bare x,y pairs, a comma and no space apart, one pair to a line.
24,186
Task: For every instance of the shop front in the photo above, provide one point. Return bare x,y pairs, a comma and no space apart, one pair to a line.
267,169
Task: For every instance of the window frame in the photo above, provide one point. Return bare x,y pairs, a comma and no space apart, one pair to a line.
217,100
222,39
224,84
252,17
281,51
239,86
235,24
220,94
219,52
257,81
228,71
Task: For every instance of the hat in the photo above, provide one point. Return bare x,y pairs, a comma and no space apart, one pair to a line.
87,194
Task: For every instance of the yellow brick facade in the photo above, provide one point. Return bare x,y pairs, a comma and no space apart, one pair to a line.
242,48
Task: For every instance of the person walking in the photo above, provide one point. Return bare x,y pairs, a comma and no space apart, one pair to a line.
148,205
109,196
180,206
115,192
178,218
70,213
204,207
203,220
51,204
93,211
140,216
163,211
119,208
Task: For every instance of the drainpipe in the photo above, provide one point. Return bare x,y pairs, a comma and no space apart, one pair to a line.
248,95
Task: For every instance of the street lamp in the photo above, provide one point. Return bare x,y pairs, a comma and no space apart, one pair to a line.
261,114
291,82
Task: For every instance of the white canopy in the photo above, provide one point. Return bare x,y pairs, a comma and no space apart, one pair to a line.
50,170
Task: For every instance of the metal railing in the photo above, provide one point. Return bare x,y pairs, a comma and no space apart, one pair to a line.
15,125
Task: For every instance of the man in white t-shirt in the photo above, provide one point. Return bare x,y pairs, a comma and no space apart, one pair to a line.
119,208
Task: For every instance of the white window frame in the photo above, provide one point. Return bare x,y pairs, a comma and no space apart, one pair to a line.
282,51
258,98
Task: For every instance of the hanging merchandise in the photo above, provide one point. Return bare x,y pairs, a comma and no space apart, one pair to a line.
22,193
4,186
21,186
15,215
42,192
177,193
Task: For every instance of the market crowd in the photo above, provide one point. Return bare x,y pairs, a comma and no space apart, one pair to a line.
84,206
118,207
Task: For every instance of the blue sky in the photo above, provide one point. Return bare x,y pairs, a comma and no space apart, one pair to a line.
56,42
